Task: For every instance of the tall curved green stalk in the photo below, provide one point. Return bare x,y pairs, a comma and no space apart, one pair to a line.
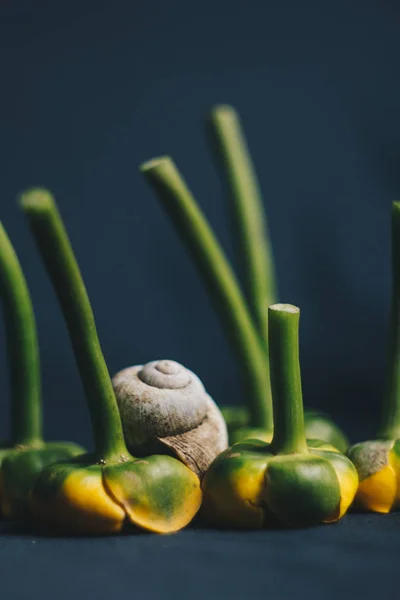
58,256
219,280
250,230
390,426
22,348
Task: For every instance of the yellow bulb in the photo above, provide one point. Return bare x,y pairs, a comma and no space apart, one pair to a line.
377,492
81,505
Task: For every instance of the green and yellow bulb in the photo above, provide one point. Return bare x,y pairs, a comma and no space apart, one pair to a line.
157,493
378,466
290,481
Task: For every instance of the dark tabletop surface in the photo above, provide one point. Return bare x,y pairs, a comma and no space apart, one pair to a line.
356,558
89,90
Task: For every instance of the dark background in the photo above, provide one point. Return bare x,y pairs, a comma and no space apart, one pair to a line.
88,91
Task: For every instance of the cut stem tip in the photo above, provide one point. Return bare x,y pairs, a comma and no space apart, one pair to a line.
224,111
155,163
289,308
36,200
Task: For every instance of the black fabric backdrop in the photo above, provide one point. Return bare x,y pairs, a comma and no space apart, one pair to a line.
91,89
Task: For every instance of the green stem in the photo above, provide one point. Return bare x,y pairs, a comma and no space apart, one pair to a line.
219,280
22,347
287,398
390,427
248,215
56,251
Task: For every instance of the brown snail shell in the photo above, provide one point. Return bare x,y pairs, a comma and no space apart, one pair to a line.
164,403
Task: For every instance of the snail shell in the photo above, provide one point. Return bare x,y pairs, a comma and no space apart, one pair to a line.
164,403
